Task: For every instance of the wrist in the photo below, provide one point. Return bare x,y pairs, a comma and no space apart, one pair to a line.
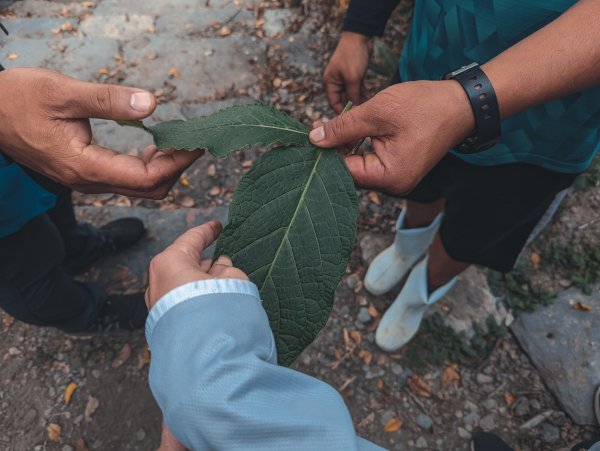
353,38
460,111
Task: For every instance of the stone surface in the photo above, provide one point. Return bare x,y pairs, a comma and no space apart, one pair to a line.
424,422
205,65
550,433
470,302
564,345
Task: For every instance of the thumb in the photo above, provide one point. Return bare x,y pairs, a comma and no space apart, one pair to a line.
87,100
196,240
347,128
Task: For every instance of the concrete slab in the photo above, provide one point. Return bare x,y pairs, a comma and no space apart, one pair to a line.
564,345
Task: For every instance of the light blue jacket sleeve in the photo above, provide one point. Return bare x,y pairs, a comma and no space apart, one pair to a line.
215,377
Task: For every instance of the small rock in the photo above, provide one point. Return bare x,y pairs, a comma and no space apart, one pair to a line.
521,407
67,448
424,422
13,351
370,245
397,369
484,379
471,406
140,435
489,404
344,310
386,416
550,433
52,392
471,418
487,423
463,433
96,373
352,280
372,373
364,316
421,442
30,416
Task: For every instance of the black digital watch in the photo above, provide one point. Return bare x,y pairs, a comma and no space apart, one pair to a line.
483,100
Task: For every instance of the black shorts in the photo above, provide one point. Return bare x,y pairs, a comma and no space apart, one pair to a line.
490,211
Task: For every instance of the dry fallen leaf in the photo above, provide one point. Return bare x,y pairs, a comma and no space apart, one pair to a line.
80,445
582,307
366,356
69,392
450,376
54,431
356,336
144,358
224,31
535,260
122,357
91,406
374,197
88,4
7,320
509,399
185,181
394,425
419,386
174,73
103,71
373,311
13,56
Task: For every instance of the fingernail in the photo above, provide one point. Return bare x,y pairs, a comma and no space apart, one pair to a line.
318,134
141,101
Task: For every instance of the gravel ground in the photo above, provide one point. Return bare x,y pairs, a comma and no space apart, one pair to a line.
392,402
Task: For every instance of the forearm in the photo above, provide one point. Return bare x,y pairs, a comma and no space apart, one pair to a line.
215,377
368,17
560,59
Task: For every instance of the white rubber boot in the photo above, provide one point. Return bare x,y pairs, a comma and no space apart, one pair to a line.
391,265
401,321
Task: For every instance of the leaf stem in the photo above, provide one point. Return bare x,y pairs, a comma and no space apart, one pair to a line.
347,108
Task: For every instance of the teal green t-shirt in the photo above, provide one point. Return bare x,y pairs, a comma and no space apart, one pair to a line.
562,135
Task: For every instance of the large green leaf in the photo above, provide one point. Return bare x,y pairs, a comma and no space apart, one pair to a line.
292,226
229,130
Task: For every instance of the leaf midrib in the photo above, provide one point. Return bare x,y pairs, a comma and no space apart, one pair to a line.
300,132
285,236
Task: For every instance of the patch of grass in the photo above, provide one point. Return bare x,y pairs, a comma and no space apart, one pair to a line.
580,260
436,343
521,294
589,178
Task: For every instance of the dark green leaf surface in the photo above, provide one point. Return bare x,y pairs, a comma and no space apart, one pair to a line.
230,130
292,225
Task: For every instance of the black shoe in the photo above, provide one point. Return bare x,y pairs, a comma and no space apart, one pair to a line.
85,243
486,441
120,314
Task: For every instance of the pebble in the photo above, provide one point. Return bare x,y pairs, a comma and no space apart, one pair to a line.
489,404
140,435
52,392
364,316
471,406
344,310
387,415
67,448
30,415
352,280
397,369
424,422
521,407
487,423
463,433
484,379
372,373
471,418
421,442
550,433
13,351
96,373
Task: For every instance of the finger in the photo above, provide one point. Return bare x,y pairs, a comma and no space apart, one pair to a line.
205,265
149,152
223,260
346,128
86,100
368,171
196,240
365,94
353,92
335,96
101,169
